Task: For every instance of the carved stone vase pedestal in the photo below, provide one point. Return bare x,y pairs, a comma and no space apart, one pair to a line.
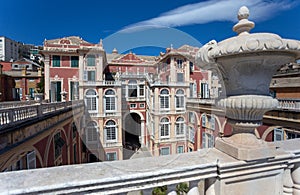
246,64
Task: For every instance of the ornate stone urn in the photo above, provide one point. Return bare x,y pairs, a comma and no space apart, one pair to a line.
246,64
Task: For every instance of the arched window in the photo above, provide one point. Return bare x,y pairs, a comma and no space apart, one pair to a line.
91,132
132,88
164,99
110,100
192,134
91,100
164,127
180,126
110,131
179,99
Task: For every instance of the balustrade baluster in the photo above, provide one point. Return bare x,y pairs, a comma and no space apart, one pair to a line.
296,178
287,181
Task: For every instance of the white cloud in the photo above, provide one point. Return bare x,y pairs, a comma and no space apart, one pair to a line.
214,10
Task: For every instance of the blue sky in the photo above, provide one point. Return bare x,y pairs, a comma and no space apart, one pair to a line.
188,21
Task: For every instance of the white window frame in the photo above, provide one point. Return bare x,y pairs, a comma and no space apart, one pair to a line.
203,121
162,153
108,99
133,106
179,99
91,133
179,126
113,128
111,153
278,132
164,99
93,98
164,128
179,150
192,134
31,160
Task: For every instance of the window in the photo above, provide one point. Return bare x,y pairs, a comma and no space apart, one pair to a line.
110,131
193,89
142,90
164,99
204,120
74,61
278,134
192,134
56,61
164,127
91,75
180,77
180,149
210,140
111,156
179,63
58,145
91,132
212,122
74,130
191,67
55,95
292,135
31,92
179,99
179,126
110,100
132,105
31,160
203,140
142,105
204,90
164,151
91,101
91,60
132,88
191,117
74,90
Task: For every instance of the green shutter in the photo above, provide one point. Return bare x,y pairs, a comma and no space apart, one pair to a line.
58,90
56,61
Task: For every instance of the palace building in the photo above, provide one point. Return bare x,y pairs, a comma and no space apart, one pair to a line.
133,101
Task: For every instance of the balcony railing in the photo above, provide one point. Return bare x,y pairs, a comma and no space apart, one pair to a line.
22,112
289,104
208,171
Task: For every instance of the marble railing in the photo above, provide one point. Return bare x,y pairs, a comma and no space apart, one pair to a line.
289,104
208,171
21,112
14,104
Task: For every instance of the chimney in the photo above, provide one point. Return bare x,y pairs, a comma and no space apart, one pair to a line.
39,72
24,71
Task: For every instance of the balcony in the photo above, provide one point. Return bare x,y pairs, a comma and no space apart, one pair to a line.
208,171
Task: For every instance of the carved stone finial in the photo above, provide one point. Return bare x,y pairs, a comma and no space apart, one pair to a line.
101,43
244,25
243,13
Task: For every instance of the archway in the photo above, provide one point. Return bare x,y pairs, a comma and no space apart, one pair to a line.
132,131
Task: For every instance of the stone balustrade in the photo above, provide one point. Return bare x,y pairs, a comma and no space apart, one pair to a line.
11,113
208,171
289,104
